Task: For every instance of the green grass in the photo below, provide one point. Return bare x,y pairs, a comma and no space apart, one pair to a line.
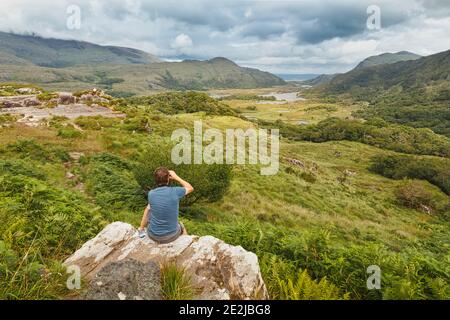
11,89
28,277
307,111
46,96
175,284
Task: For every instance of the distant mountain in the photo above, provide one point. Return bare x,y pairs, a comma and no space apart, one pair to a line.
297,77
73,65
55,53
387,58
320,79
413,73
218,72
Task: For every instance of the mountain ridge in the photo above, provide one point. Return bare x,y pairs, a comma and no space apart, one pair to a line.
407,73
71,65
387,58
381,59
59,53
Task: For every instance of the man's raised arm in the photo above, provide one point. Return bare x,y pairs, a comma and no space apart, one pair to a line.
173,176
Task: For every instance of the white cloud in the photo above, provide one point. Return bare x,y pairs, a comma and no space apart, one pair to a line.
248,12
182,41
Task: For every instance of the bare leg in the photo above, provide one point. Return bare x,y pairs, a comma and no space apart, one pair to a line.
145,217
183,230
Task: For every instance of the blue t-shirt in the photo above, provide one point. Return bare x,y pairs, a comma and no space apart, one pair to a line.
164,204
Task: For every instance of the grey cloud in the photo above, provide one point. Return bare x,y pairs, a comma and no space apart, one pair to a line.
274,35
214,14
263,29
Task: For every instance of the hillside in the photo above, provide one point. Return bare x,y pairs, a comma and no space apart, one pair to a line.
56,53
387,58
214,73
68,65
321,79
127,80
427,71
415,92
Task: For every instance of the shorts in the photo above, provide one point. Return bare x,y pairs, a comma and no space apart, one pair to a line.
167,238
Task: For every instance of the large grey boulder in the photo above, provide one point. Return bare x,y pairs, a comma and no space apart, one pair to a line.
11,104
19,101
93,98
66,98
216,269
127,279
31,102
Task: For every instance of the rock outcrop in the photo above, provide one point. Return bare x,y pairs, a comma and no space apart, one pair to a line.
216,270
19,101
123,280
66,98
31,99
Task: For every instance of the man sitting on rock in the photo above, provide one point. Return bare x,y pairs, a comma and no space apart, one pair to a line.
162,209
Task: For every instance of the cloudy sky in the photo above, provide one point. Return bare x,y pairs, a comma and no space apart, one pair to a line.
280,36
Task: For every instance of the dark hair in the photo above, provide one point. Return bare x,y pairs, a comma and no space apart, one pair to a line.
161,177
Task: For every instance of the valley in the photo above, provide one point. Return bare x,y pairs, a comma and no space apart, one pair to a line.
363,180
325,213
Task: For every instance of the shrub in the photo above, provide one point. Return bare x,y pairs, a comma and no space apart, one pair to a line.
137,124
112,160
69,132
305,175
6,118
46,96
210,181
416,107
120,94
109,180
182,102
376,133
308,177
412,194
434,170
56,121
21,167
30,149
